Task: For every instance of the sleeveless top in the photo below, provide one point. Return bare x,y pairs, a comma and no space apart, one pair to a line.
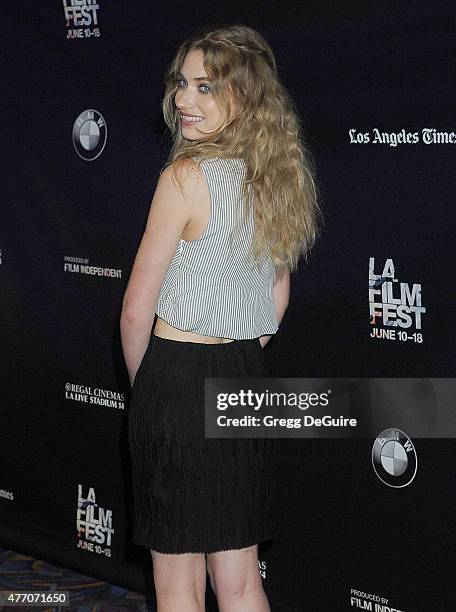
211,287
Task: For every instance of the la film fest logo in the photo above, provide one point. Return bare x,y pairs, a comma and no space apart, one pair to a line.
89,134
394,304
94,524
81,18
394,458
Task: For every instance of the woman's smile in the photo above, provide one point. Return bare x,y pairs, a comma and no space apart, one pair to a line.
189,120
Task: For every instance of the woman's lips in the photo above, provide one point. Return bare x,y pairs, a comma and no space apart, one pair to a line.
188,122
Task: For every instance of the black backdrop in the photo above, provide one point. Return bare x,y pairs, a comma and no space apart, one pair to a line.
73,210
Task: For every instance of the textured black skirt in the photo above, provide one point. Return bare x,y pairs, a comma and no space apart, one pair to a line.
193,494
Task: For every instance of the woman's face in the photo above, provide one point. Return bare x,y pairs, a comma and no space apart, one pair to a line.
194,99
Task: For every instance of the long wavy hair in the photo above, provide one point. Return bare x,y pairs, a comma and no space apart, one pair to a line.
262,126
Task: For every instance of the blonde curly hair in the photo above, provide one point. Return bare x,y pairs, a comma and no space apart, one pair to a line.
260,125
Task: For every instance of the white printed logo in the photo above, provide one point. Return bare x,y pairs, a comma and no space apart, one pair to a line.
394,304
81,18
94,524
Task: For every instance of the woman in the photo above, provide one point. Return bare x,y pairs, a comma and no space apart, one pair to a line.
218,281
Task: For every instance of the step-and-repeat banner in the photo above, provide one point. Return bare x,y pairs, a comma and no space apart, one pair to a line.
368,521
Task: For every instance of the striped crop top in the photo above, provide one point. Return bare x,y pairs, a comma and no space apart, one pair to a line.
210,287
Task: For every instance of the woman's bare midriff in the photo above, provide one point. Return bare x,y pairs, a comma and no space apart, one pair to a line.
165,330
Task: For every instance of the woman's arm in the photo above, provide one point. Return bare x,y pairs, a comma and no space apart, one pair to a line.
281,293
170,211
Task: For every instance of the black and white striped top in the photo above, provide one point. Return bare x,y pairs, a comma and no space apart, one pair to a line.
210,287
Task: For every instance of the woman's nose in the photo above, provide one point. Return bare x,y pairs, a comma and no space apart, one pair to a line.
185,98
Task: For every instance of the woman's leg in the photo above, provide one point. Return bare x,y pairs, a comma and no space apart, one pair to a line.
236,580
180,581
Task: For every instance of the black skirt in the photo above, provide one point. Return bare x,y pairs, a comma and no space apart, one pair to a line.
193,494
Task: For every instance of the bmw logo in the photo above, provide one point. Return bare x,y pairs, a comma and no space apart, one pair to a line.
394,458
89,134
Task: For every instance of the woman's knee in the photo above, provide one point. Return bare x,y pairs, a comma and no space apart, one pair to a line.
179,574
233,573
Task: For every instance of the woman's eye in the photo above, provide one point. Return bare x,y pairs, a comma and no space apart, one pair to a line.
205,85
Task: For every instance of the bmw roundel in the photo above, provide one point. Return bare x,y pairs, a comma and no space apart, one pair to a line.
394,458
89,134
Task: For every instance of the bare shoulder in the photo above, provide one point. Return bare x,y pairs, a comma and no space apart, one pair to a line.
183,175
